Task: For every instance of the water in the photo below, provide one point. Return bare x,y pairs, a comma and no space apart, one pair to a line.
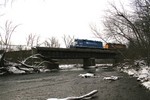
62,84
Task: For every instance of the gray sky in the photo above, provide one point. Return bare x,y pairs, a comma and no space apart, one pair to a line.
47,18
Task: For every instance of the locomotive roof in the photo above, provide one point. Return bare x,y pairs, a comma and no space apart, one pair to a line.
114,44
87,40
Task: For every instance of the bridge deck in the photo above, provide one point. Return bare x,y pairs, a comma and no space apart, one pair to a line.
76,53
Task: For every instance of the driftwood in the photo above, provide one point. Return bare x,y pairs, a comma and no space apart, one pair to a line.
35,69
38,56
25,65
30,66
6,66
49,63
46,59
88,75
20,68
112,78
83,97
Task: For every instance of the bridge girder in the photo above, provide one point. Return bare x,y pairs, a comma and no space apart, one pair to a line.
76,53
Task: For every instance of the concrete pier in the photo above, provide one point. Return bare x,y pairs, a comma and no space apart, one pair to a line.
88,62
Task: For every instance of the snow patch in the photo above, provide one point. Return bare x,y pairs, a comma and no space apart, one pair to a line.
146,84
16,71
69,66
87,75
141,72
111,78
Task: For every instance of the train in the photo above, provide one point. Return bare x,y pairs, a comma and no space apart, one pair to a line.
84,43
114,46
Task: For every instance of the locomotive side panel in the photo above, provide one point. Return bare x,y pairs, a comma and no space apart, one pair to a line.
82,43
114,46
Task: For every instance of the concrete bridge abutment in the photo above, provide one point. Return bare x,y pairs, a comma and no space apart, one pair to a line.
88,62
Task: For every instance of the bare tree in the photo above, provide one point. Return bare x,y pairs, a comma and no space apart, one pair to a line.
132,27
117,25
33,40
142,12
30,39
6,2
52,42
6,33
38,41
68,40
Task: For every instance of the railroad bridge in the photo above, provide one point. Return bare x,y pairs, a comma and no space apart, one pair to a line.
87,54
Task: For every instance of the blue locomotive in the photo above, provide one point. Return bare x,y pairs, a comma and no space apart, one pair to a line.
84,43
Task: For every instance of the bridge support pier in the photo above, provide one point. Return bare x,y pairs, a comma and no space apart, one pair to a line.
88,62
118,59
52,65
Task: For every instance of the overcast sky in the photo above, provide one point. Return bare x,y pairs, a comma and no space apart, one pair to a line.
47,18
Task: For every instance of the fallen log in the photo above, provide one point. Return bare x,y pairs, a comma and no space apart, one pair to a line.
27,70
25,65
83,97
35,69
46,58
47,61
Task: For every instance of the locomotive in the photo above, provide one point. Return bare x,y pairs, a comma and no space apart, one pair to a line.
114,46
84,43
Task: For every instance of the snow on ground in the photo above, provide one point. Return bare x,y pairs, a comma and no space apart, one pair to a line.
141,72
15,70
87,75
72,67
146,84
111,78
106,65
